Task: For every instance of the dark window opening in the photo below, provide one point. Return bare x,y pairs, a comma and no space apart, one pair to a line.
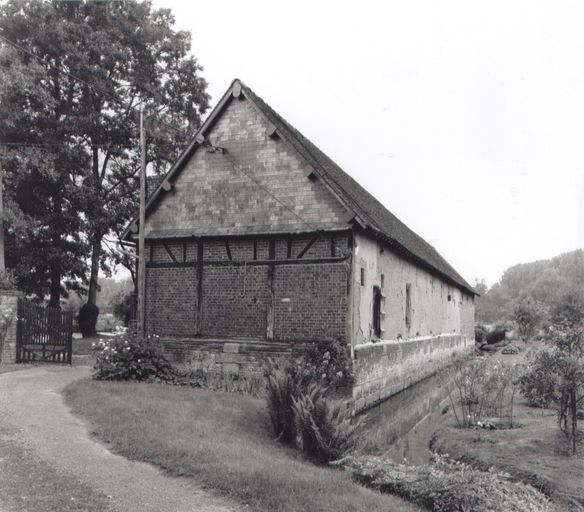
408,306
382,280
362,276
377,311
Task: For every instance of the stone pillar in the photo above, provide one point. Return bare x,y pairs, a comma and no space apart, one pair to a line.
8,321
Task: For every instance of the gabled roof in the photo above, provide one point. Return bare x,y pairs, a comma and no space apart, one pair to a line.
367,211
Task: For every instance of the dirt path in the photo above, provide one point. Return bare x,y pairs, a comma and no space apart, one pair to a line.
48,461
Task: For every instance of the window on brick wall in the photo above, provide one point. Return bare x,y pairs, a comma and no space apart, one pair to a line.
408,305
377,311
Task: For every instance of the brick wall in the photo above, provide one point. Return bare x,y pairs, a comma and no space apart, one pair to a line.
385,368
171,301
309,299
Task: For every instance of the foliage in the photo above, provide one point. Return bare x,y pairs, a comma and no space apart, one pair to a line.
556,376
527,315
7,280
123,306
448,486
131,358
326,430
480,333
284,384
546,282
7,315
330,363
88,319
496,334
483,388
75,180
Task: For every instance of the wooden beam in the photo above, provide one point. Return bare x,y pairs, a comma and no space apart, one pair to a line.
308,246
184,251
288,248
172,257
257,263
151,252
333,246
199,324
255,249
271,303
228,250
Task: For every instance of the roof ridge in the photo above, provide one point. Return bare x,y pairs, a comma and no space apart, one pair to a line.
369,207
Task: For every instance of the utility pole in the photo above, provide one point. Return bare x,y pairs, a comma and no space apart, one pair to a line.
2,263
142,220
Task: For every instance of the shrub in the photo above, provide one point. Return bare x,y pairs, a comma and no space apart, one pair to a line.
123,306
326,430
480,334
7,280
131,357
283,385
496,335
330,364
446,485
483,388
88,319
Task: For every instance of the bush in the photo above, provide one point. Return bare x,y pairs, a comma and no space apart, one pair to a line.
447,486
496,335
123,306
283,385
88,319
480,334
326,429
131,357
330,364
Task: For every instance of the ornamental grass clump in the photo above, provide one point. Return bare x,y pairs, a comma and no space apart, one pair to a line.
301,413
326,429
131,358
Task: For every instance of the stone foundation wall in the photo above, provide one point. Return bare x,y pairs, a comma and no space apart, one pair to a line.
238,357
8,322
385,368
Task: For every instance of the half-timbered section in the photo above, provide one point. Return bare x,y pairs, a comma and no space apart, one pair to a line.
257,244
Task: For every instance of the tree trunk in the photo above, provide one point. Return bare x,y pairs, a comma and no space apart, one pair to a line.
55,290
95,255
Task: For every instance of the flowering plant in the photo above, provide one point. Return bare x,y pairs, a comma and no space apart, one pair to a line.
131,357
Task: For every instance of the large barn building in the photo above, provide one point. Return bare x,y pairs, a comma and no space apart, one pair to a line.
257,243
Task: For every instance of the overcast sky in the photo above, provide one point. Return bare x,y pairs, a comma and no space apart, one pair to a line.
465,119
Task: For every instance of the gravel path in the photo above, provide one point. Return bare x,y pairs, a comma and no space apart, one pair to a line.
48,462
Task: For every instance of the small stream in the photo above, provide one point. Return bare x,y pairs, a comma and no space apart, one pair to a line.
402,426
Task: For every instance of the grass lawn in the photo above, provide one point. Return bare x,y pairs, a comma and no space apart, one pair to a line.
224,441
534,453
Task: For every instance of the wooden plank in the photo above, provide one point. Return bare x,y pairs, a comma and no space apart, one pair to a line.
199,323
292,261
172,257
307,247
271,303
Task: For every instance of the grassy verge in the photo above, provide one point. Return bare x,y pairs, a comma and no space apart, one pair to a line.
224,441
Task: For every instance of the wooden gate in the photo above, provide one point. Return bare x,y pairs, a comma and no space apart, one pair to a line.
43,334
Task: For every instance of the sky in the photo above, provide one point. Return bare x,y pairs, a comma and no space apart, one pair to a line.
465,119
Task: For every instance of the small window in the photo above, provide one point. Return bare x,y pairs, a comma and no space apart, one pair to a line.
377,311
408,306
362,276
382,280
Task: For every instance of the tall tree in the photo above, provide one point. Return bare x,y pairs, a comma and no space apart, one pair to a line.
123,55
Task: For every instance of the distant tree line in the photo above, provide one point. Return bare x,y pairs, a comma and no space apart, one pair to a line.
538,288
